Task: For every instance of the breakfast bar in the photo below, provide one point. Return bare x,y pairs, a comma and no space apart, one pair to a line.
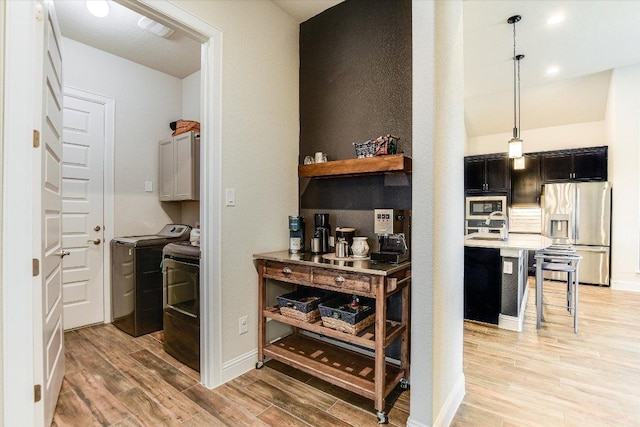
495,277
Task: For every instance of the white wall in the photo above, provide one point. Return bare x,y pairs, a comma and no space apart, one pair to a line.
260,130
146,101
190,211
437,380
191,97
623,134
589,134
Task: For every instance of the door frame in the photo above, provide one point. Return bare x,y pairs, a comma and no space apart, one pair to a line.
17,283
166,12
108,177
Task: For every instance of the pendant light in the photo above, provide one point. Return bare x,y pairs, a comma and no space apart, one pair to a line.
515,143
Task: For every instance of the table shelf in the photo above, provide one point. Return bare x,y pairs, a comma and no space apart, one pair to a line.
336,365
365,339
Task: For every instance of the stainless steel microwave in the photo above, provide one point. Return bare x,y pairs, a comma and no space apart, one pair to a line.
479,207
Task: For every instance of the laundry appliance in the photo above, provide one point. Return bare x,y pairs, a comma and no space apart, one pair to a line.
136,279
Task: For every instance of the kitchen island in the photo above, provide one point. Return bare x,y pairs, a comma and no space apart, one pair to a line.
495,278
367,374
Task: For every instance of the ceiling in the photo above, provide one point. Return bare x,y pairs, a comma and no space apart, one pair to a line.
595,37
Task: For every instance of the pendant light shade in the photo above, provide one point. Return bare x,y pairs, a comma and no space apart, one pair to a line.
515,144
515,148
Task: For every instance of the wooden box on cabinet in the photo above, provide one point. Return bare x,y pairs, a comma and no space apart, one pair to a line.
180,168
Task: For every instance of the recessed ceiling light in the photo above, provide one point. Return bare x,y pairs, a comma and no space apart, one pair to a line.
552,70
555,19
99,8
155,27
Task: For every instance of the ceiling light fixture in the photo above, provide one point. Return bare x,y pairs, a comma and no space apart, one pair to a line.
155,28
99,8
515,143
552,70
555,19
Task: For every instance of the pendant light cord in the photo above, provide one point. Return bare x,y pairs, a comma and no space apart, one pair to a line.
515,126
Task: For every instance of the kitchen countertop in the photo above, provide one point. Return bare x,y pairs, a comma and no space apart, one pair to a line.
352,264
530,242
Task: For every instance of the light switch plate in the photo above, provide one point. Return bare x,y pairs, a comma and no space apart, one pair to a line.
148,186
230,197
507,267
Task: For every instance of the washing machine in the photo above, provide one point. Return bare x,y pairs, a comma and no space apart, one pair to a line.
136,279
181,273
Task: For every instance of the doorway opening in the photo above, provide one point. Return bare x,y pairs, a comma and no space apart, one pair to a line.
208,212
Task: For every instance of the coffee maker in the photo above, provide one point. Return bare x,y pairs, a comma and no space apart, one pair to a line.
393,231
296,234
322,231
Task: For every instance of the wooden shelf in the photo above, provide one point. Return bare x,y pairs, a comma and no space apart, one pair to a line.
336,365
395,163
364,339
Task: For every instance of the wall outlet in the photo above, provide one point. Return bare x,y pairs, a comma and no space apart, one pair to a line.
243,325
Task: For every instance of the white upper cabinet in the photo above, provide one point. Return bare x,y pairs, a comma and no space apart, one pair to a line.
180,168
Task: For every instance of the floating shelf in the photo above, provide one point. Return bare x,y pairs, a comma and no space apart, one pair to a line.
395,163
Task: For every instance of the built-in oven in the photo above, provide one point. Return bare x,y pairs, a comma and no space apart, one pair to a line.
181,286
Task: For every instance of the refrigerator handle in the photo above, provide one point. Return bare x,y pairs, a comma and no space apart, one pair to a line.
577,236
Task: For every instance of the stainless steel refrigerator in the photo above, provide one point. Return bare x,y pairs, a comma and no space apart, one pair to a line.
580,214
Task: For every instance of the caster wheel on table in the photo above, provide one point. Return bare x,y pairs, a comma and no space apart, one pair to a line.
259,364
382,417
404,384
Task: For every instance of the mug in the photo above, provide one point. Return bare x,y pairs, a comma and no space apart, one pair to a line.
320,157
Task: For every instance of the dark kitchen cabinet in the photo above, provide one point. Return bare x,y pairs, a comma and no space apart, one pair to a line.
526,183
486,174
482,284
584,164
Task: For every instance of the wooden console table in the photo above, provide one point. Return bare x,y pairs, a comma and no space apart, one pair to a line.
369,375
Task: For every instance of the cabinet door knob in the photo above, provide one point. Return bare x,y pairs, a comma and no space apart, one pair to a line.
286,270
339,279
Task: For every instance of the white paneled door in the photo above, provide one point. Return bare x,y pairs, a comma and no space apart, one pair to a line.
83,142
48,328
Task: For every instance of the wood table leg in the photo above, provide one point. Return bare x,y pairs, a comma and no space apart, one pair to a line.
381,335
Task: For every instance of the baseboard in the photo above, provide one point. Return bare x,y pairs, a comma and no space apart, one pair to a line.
512,323
625,286
448,409
239,365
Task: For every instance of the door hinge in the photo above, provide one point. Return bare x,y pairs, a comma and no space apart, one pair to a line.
39,11
36,138
37,393
36,266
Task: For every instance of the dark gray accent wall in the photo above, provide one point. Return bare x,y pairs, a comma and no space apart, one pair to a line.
355,84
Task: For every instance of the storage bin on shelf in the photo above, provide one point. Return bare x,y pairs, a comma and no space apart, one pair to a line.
302,304
340,314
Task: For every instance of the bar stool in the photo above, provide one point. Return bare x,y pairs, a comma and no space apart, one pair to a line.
563,259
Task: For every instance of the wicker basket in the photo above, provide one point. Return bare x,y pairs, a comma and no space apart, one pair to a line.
303,304
337,314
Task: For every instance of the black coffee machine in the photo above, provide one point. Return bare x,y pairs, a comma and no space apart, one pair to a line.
322,231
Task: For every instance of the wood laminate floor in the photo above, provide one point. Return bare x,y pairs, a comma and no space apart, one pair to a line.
550,377
114,379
